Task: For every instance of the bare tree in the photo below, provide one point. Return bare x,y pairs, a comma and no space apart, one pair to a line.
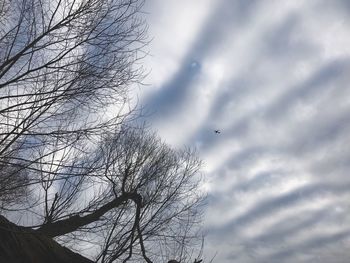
62,64
68,160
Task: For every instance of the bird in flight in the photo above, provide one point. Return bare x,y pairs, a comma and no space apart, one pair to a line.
217,131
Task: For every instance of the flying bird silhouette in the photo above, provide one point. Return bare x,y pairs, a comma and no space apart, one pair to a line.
217,131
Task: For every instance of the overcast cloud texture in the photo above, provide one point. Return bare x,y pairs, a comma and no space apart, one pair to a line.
274,77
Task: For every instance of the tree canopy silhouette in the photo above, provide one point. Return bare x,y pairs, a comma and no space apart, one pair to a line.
71,166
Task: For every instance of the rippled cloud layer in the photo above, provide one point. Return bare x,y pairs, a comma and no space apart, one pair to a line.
274,78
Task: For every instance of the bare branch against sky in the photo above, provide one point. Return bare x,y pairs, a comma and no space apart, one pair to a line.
72,166
272,77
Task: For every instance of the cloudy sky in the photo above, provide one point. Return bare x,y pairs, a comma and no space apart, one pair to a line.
274,77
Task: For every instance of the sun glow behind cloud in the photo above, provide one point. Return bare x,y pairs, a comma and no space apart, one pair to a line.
273,76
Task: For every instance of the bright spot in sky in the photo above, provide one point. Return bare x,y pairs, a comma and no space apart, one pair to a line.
274,77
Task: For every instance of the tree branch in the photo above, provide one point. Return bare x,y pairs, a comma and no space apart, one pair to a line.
72,223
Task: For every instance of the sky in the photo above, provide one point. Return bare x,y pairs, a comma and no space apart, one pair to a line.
274,77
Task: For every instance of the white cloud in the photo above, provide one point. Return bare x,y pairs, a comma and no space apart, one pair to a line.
273,76
174,25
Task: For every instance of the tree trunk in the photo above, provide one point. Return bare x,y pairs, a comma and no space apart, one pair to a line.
22,245
71,224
